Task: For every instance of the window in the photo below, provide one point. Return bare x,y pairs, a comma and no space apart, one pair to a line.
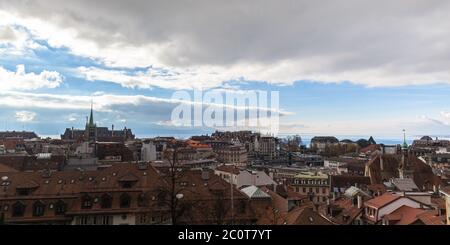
60,208
142,219
23,192
127,184
18,209
94,220
125,201
310,190
324,190
38,209
317,190
106,220
86,202
304,189
106,201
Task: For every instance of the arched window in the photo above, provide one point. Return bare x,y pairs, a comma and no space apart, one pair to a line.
86,202
60,208
18,209
125,201
106,201
38,208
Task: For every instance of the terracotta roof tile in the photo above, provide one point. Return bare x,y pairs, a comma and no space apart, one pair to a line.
382,200
404,215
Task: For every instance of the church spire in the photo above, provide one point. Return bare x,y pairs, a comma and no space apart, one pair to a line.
91,117
405,145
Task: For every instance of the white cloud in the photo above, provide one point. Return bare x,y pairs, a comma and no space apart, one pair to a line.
106,103
445,114
20,80
25,116
16,41
372,43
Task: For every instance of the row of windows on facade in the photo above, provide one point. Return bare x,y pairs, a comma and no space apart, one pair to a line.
108,219
311,190
19,208
310,182
106,201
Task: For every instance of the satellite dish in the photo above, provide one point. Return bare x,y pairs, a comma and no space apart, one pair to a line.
5,178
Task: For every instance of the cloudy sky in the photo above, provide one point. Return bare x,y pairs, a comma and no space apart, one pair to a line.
351,68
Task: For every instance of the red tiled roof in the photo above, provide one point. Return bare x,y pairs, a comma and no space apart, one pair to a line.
404,215
382,200
305,216
423,174
431,217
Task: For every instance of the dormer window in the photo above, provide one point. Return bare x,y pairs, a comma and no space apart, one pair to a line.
126,184
26,188
128,180
38,209
23,192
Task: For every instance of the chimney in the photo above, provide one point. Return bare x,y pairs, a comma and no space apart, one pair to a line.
359,202
112,130
381,159
72,133
435,189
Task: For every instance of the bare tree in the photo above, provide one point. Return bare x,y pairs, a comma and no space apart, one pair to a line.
171,193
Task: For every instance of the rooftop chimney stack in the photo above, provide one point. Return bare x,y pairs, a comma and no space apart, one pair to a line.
359,202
